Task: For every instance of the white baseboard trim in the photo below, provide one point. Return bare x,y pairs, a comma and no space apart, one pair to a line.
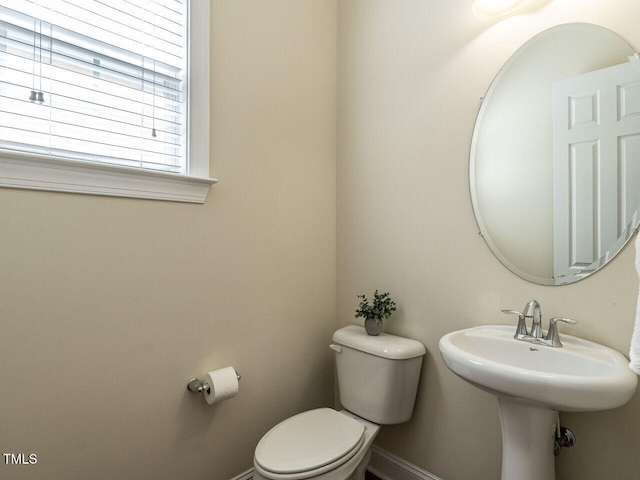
248,475
387,466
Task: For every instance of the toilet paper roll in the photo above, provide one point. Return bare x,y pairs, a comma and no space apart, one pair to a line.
223,384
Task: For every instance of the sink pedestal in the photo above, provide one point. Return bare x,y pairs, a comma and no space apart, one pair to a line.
528,436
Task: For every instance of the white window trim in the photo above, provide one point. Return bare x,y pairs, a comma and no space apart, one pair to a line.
41,172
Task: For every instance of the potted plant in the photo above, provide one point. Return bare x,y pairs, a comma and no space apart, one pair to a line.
373,313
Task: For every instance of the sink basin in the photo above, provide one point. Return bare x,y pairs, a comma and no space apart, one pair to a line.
580,376
532,383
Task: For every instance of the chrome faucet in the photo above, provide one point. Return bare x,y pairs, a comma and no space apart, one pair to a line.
533,311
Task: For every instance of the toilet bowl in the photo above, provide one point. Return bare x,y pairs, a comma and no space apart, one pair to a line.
377,384
291,450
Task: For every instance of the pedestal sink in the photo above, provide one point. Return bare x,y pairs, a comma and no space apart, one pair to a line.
534,382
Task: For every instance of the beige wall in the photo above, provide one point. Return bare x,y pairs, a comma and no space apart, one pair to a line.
410,76
108,305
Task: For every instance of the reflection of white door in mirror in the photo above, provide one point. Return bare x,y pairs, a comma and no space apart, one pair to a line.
596,143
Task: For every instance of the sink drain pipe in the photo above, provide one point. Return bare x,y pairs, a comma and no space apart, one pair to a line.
563,438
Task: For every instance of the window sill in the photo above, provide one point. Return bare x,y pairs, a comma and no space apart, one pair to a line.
35,172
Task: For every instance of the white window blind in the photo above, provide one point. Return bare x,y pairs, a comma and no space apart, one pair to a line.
99,81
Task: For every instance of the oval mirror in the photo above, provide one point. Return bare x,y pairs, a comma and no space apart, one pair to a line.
555,154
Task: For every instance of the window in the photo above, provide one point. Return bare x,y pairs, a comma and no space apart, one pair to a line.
94,97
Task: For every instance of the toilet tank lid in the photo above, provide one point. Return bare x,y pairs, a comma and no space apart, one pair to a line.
384,345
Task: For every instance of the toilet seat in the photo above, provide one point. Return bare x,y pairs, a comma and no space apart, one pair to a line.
309,444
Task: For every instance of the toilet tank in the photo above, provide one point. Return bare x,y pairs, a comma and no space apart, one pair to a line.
377,375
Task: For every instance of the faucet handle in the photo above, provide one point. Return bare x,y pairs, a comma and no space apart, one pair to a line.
553,338
562,319
521,329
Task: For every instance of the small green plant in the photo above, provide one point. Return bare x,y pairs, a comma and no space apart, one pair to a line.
382,306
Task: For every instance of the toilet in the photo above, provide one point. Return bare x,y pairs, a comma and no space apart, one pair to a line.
377,383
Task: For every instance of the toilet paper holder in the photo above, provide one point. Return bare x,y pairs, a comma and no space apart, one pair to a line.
198,386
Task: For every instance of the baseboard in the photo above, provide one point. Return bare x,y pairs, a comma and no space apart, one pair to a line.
248,475
387,466
383,464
